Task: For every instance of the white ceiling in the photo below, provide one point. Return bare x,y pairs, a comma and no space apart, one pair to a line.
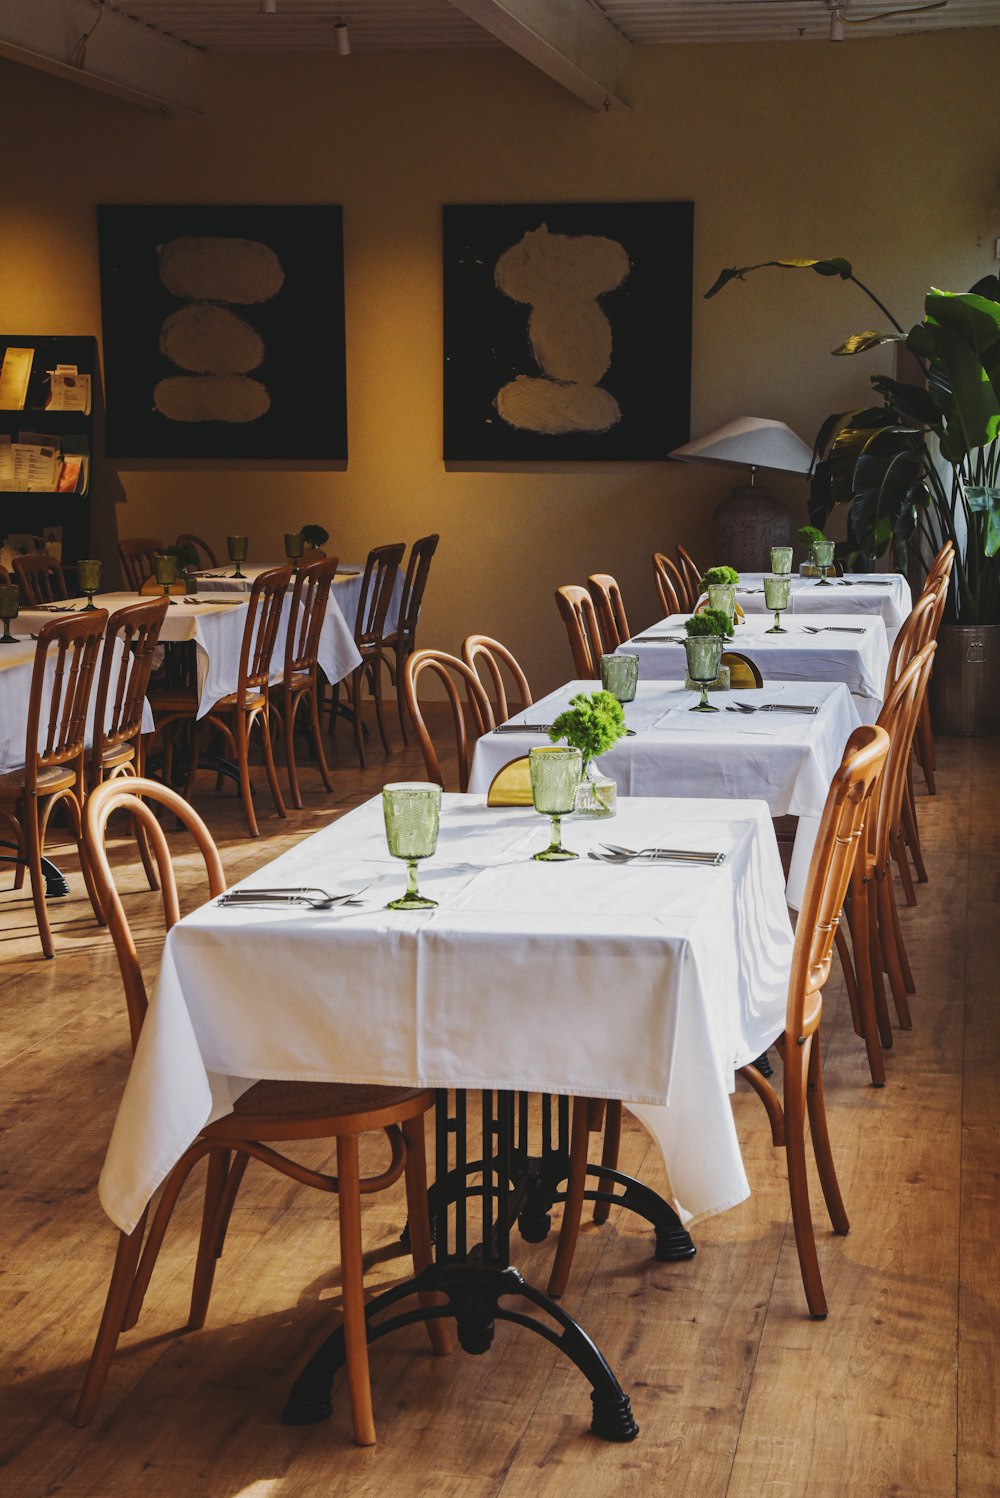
239,25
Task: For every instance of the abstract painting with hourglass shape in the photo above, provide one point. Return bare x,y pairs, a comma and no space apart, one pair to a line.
567,331
224,331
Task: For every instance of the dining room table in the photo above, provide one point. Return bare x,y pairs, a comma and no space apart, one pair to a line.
781,744
852,648
345,590
649,982
884,593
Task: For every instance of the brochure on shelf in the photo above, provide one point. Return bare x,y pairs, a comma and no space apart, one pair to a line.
68,390
15,373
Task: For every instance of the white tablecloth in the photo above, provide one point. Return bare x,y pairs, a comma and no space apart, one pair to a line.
216,628
860,660
650,983
885,593
346,587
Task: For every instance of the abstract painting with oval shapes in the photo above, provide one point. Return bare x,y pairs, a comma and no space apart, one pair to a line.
567,331
224,331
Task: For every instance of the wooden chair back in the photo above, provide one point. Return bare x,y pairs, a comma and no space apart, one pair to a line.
206,556
942,564
691,573
488,658
576,607
57,712
310,595
267,595
376,594
744,674
136,555
670,586
914,633
40,578
135,631
899,715
134,795
450,671
417,569
607,597
848,803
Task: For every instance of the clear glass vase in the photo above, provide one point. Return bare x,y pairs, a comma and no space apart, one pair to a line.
596,795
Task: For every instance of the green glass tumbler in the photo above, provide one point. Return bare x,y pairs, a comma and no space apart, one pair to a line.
295,544
10,607
238,546
412,811
704,657
165,569
620,676
555,776
781,560
776,591
722,596
88,575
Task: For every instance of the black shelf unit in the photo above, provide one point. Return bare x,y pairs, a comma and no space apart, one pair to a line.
35,511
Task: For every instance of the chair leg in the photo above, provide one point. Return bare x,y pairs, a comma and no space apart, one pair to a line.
925,741
324,768
379,703
352,1282
911,831
270,768
194,750
419,1224
903,865
243,764
820,1133
208,1243
573,1205
890,951
897,932
33,851
798,1183
609,1153
126,1259
867,1027
877,968
357,681
289,711
401,655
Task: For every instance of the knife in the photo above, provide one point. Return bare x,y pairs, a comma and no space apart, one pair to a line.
523,728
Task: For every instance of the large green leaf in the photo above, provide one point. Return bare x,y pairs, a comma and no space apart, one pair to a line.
976,319
832,267
986,501
912,402
976,407
860,343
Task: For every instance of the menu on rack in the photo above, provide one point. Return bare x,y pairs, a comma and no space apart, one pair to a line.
68,390
15,373
35,464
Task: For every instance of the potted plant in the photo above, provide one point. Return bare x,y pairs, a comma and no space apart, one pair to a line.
593,723
707,633
315,537
720,583
820,551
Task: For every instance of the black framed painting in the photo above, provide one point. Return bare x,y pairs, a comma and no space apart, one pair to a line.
224,331
567,331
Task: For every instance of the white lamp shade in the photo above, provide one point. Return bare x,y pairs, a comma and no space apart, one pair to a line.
752,442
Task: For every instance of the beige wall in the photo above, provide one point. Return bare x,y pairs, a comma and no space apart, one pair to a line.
881,151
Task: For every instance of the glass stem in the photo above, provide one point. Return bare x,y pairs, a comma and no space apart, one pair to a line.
556,833
704,695
411,877
777,618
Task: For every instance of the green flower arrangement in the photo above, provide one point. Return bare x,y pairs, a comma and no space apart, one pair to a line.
592,723
315,535
710,622
809,535
727,576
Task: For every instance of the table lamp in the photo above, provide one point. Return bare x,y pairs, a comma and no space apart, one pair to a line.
747,524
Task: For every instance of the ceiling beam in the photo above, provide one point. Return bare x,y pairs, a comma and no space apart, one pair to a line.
89,43
570,40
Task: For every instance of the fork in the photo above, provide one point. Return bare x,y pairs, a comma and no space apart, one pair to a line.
316,899
840,629
678,855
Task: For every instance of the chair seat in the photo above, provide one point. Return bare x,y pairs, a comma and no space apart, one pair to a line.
173,700
117,754
272,1105
55,778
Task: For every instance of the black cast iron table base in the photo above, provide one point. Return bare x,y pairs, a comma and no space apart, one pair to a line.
55,879
513,1184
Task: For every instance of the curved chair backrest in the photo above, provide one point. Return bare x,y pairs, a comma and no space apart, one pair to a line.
450,671
40,578
488,658
205,553
130,640
134,795
914,632
899,715
310,595
744,673
840,830
607,597
376,593
576,608
57,722
670,586
417,569
691,573
942,564
511,785
267,595
136,556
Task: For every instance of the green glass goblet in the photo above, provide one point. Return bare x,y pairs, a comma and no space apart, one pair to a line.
165,568
238,546
10,606
704,658
776,591
822,555
722,596
412,811
294,546
781,560
88,575
620,676
555,778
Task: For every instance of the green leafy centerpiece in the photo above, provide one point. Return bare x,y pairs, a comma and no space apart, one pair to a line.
707,632
593,723
720,583
315,537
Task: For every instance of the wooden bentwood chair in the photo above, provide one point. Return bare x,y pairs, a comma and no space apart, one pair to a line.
55,773
840,833
40,578
671,588
136,556
469,722
206,556
691,573
611,616
369,636
403,639
576,609
266,1113
300,677
489,659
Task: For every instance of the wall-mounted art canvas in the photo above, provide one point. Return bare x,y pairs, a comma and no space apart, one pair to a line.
224,331
567,331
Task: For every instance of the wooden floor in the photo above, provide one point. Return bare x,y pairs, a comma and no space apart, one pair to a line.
737,1393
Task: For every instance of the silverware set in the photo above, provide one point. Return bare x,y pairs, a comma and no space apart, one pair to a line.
838,629
522,728
771,707
316,899
614,854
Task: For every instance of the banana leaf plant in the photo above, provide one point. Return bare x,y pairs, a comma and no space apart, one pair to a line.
923,466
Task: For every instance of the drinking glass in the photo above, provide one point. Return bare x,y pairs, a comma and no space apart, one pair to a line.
776,590
412,811
294,547
781,560
10,605
722,596
619,675
555,775
704,657
165,568
88,575
238,546
822,555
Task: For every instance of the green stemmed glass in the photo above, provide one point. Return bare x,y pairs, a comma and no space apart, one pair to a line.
781,560
555,777
704,658
10,607
412,811
238,546
822,554
776,590
88,575
165,568
294,546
